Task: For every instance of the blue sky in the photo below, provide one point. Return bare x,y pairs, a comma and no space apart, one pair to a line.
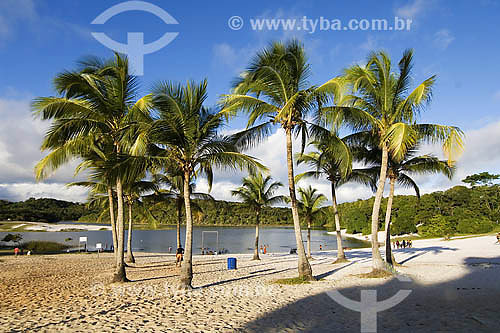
456,40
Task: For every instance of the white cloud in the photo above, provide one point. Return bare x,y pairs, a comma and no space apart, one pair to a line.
230,57
370,44
272,154
13,13
20,139
23,191
21,135
412,9
496,95
482,153
443,38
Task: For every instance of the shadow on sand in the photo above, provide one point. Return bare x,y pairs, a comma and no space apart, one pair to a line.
468,304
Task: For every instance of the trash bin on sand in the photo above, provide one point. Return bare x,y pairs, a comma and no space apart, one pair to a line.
231,263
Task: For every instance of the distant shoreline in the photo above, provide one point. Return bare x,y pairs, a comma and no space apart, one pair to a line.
30,226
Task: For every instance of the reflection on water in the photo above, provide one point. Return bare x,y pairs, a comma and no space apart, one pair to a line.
234,239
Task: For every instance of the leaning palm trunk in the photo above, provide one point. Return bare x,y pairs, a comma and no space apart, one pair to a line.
389,256
112,219
179,216
377,262
120,275
256,250
130,255
309,237
187,268
340,248
304,267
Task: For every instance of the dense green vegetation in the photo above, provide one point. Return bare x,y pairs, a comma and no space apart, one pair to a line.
36,247
213,212
459,210
41,210
44,247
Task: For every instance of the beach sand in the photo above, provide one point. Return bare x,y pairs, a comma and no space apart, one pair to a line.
455,287
42,226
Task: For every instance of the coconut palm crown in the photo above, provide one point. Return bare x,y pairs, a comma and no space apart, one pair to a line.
257,192
374,98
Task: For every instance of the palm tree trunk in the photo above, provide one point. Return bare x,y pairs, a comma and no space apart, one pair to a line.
179,217
309,236
340,248
112,219
120,275
130,255
377,262
256,250
187,268
389,256
304,267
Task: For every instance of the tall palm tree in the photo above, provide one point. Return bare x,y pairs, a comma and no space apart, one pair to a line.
175,191
257,192
133,192
400,172
99,101
310,203
332,159
95,155
274,88
381,102
186,137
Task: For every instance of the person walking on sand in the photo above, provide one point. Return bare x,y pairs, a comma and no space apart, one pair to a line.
178,256
16,251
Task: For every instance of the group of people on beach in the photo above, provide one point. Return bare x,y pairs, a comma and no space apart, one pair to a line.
402,245
207,251
263,249
18,251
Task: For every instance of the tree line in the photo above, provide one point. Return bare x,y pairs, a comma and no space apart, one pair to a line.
458,210
216,212
42,210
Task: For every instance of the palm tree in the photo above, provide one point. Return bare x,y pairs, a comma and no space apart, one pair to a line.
133,192
400,172
310,203
95,156
186,137
380,103
332,159
274,88
257,192
99,103
175,191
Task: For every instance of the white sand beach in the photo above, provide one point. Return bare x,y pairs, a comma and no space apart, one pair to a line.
455,287
368,238
41,226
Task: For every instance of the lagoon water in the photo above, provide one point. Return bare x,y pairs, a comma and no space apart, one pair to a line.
234,239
